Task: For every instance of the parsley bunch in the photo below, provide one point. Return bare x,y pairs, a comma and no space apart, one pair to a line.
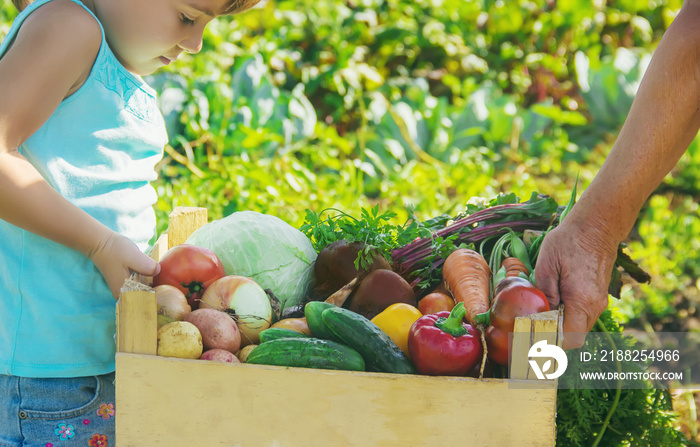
373,229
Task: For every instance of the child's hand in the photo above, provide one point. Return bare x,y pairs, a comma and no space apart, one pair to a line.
116,257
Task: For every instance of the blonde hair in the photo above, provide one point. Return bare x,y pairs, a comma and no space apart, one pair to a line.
21,4
234,6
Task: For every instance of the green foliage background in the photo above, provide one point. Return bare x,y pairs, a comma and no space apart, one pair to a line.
326,103
312,104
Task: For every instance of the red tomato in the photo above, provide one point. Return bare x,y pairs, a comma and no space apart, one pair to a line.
191,269
514,297
435,302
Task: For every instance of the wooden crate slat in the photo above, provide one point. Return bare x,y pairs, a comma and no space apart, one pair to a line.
160,247
196,403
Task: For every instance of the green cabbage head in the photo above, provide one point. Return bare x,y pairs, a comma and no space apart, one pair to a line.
264,248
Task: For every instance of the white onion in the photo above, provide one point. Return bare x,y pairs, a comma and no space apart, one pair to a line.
245,300
171,302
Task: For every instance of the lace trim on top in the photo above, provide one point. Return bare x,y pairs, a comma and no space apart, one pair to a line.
137,95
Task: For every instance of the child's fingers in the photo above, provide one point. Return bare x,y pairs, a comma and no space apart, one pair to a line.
117,258
144,265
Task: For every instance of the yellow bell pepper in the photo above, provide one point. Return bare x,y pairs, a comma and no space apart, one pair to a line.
396,320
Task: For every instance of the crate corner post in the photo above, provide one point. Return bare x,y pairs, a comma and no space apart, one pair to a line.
137,319
532,329
183,221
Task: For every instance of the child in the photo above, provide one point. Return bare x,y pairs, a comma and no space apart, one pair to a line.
80,135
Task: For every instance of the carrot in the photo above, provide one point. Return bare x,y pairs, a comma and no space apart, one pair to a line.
467,276
514,266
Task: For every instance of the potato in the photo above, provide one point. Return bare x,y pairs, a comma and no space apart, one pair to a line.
180,339
218,329
220,355
295,324
243,353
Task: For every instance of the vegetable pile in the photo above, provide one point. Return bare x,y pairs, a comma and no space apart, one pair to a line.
433,297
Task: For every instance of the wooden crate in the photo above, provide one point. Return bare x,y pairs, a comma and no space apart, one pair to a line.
194,403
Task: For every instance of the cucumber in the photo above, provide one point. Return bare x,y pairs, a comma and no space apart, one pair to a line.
379,351
312,312
274,333
307,353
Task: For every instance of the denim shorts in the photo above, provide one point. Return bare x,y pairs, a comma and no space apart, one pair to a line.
57,412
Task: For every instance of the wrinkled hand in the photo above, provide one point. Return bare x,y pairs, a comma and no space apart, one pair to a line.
574,267
116,257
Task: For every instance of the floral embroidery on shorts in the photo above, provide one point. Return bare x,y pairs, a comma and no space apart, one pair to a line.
98,440
64,431
106,411
86,421
49,444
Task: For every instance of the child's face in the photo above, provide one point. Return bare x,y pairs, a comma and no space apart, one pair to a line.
147,35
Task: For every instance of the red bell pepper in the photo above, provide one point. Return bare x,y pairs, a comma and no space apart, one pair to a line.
442,344
513,297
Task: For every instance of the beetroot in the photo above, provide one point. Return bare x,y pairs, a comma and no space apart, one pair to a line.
335,266
378,290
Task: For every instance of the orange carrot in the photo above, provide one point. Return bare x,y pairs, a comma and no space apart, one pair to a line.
514,266
467,276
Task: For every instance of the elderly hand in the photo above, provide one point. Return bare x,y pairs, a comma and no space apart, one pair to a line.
574,267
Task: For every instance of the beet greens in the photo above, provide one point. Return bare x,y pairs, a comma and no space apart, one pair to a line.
421,260
417,249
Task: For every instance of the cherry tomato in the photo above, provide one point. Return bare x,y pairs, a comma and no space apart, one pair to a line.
191,269
435,302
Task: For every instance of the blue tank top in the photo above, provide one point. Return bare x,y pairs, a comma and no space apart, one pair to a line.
98,149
